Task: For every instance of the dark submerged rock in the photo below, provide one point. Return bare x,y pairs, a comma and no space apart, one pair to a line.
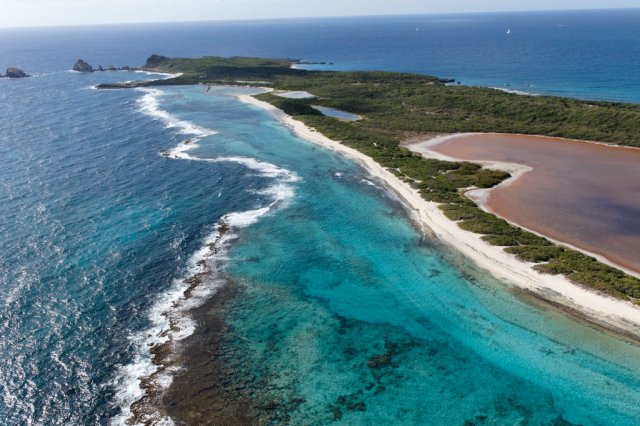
352,402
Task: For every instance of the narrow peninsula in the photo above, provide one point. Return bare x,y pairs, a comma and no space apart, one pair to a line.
384,112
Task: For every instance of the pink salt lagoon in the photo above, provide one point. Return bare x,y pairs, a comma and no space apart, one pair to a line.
583,194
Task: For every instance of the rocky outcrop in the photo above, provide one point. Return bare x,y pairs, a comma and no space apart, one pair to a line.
124,85
82,66
13,72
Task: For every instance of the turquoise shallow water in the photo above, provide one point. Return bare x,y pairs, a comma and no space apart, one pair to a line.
346,307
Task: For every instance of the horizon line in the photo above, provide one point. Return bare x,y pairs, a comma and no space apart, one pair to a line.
292,18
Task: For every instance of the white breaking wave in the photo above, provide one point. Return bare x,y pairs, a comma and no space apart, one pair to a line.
170,323
150,105
170,317
368,182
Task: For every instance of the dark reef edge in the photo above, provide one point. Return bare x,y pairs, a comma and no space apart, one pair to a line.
209,391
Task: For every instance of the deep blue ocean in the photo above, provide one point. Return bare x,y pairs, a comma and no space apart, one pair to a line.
110,200
589,54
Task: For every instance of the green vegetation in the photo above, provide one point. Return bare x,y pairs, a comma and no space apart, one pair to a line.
398,106
401,105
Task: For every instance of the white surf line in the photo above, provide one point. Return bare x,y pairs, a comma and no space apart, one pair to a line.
169,316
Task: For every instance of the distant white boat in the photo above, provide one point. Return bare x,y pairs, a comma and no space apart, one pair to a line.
509,31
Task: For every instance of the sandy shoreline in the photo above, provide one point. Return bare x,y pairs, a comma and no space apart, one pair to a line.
613,314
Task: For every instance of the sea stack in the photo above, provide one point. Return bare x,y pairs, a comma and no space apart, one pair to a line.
13,72
82,66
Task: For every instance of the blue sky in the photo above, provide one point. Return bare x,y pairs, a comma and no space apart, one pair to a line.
20,13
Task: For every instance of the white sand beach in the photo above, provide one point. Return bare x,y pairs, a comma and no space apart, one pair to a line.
614,314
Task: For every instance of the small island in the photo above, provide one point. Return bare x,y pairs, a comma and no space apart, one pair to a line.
13,72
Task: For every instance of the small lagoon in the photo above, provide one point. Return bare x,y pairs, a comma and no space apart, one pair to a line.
336,113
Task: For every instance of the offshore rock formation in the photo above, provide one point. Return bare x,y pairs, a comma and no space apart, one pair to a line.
82,66
13,72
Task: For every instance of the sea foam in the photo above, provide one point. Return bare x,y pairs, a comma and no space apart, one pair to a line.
169,316
150,105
